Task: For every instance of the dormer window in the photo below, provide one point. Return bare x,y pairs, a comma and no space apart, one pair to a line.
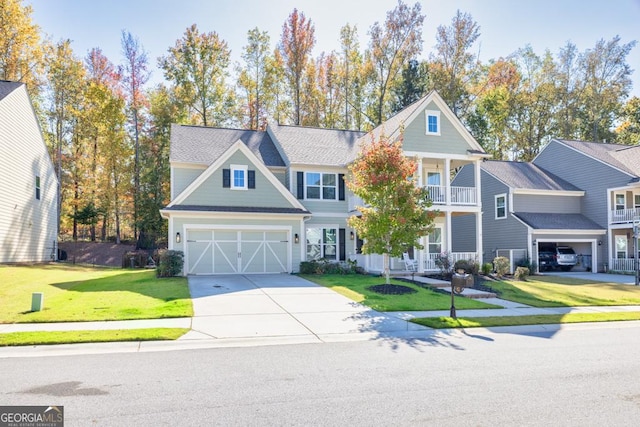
433,122
238,177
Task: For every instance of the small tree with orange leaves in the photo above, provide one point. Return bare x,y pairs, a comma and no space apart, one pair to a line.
395,213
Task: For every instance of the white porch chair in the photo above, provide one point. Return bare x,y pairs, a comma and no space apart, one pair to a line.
410,264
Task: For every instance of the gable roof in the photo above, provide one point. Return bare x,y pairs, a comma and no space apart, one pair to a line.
557,221
520,175
623,157
317,146
204,145
239,145
394,125
6,87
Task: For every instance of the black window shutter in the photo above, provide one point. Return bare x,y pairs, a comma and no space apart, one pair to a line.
251,179
340,186
226,178
300,185
343,244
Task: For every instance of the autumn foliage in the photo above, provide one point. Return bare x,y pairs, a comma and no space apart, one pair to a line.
395,214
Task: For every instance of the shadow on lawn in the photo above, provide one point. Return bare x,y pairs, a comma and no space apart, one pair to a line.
137,281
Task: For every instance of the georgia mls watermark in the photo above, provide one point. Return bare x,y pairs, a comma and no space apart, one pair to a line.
31,416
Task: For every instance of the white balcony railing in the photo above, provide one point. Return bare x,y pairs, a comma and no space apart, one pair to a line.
624,215
457,195
622,264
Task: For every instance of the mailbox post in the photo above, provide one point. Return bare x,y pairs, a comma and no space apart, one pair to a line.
459,281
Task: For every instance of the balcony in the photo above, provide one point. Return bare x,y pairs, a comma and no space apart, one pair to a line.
457,195
623,216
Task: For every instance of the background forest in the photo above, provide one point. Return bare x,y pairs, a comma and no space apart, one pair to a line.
108,130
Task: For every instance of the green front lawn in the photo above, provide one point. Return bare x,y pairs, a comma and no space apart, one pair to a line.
354,286
557,291
541,319
74,337
77,293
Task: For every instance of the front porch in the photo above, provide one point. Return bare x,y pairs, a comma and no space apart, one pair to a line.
374,263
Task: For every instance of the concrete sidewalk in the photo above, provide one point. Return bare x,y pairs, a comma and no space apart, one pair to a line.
267,310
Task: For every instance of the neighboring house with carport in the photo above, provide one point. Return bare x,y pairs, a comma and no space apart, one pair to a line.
610,176
263,201
526,208
28,183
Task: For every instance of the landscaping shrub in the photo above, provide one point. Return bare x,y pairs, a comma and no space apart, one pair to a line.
521,273
487,268
324,266
469,266
169,263
443,262
501,265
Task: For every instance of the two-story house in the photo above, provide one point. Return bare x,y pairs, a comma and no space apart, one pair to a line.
263,201
609,174
527,208
28,183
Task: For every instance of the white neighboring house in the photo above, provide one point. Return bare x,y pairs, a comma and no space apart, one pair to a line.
28,184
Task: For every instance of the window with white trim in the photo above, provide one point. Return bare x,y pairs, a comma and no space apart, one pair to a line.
636,201
501,206
322,243
432,122
620,202
37,187
239,177
321,186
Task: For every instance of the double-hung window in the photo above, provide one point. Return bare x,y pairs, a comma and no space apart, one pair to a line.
322,243
433,122
501,206
239,177
37,188
321,186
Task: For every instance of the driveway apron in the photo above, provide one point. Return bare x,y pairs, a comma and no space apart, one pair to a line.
274,305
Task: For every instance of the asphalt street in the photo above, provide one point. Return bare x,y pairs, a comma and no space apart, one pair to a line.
585,375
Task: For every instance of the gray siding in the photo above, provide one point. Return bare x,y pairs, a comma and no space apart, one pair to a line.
211,193
465,177
507,233
546,204
449,141
182,177
463,230
28,227
585,173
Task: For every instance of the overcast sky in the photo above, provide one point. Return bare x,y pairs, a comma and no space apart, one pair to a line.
505,25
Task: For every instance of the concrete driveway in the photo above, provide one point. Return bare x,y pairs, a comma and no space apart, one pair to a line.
283,306
601,277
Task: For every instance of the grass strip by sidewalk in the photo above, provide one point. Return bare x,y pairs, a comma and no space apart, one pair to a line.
355,287
539,319
74,337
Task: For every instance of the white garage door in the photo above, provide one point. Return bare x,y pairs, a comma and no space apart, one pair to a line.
237,251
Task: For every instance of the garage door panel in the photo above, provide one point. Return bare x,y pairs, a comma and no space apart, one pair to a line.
225,257
228,251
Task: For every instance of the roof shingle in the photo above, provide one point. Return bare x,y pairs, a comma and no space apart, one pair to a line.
6,87
557,221
204,145
526,176
623,157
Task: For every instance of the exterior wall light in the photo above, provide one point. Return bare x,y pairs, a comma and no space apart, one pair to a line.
178,238
352,236
296,239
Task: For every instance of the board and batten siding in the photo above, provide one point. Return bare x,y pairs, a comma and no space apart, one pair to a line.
507,233
546,204
586,173
28,227
463,227
448,142
211,192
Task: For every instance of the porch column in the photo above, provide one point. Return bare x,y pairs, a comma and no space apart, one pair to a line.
447,182
420,180
447,216
420,255
477,182
479,252
609,239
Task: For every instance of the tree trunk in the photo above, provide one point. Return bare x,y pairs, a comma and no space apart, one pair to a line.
387,269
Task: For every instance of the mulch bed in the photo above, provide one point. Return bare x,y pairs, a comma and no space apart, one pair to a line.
391,289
